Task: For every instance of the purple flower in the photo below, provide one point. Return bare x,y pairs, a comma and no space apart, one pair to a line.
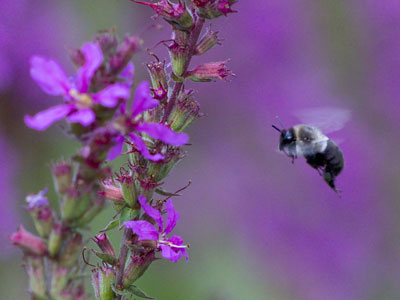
78,105
171,248
37,200
142,102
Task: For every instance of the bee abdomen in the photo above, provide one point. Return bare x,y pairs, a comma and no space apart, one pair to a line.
334,158
330,161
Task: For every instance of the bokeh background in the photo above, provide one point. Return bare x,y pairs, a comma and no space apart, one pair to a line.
259,227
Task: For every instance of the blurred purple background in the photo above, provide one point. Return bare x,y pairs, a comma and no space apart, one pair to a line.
259,227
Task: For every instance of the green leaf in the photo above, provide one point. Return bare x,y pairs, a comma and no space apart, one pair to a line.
111,225
127,214
163,192
195,79
176,78
133,289
108,258
119,292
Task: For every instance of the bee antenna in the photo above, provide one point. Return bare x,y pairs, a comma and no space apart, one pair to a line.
279,121
273,126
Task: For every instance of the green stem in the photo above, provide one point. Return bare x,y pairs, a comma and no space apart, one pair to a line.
123,254
194,37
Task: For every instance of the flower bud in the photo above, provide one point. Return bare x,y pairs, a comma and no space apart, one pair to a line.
175,14
74,204
56,239
111,192
94,153
157,74
104,244
137,266
209,71
208,40
185,111
128,189
161,169
225,6
77,57
62,176
59,280
211,9
178,57
102,281
147,186
41,213
124,53
96,206
70,252
28,242
34,267
107,41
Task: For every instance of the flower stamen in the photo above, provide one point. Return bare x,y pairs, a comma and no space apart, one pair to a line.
83,100
173,245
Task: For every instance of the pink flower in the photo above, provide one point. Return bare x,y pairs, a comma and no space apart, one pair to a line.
132,125
78,105
171,248
28,241
210,71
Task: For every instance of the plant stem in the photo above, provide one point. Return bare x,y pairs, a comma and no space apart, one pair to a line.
194,37
123,254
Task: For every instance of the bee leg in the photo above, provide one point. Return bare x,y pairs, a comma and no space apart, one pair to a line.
338,192
293,158
330,180
319,171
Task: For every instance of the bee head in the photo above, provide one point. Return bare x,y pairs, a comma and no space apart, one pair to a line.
287,138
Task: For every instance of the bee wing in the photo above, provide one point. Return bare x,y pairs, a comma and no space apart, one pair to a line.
327,119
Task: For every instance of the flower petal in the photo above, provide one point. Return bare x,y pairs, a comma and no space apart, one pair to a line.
49,75
173,217
151,211
168,253
141,146
144,229
116,150
163,133
142,101
45,118
128,72
83,116
110,95
93,60
37,200
173,253
177,240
